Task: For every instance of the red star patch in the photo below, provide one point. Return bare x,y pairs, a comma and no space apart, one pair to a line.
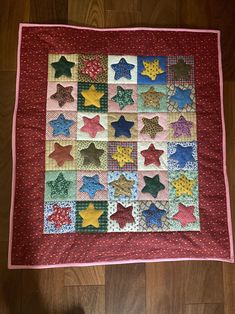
185,215
92,68
61,154
123,215
60,216
63,94
152,155
92,126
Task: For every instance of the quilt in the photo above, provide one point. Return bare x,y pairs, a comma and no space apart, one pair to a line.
118,147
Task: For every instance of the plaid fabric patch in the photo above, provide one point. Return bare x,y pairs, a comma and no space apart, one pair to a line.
54,115
172,60
103,222
103,100
113,164
174,117
173,106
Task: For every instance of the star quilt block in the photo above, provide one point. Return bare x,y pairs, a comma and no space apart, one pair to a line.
118,148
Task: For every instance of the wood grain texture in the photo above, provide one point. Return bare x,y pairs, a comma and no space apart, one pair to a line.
89,13
84,276
49,11
165,288
229,111
12,13
122,19
204,309
203,282
125,289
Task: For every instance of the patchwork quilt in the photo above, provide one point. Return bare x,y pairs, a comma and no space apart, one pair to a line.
118,147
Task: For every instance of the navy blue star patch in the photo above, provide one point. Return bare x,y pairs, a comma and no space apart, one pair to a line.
91,185
61,126
122,69
182,97
122,127
153,216
183,155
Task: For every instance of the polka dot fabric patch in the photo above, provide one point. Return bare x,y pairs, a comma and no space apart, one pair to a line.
118,148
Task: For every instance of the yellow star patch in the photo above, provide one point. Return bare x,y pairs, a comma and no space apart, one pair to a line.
122,186
92,97
123,155
90,216
152,69
183,185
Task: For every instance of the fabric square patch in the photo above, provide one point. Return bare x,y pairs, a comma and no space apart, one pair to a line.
92,185
61,125
152,126
92,216
122,98
122,127
152,185
59,217
152,70
92,97
60,185
123,216
122,156
62,67
92,68
122,186
122,69
182,155
61,155
152,156
183,186
154,216
92,126
152,98
92,155
182,127
62,96
180,69
181,98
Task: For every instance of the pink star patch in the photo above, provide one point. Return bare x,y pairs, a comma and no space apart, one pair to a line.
92,125
123,215
60,216
152,155
92,68
185,215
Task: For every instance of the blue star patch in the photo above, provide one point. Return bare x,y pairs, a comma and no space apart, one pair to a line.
153,216
182,97
122,69
61,126
122,127
183,155
91,185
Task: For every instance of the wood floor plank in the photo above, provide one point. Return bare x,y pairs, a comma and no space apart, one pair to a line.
159,13
125,289
215,14
203,282
10,285
165,288
122,18
12,13
7,99
204,309
50,11
43,288
84,276
229,269
127,6
83,12
85,300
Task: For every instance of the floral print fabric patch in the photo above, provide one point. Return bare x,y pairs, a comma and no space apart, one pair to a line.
121,144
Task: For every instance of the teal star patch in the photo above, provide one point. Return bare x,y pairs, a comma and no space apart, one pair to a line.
59,187
123,97
152,185
63,67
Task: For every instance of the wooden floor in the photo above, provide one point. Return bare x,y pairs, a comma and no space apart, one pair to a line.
164,288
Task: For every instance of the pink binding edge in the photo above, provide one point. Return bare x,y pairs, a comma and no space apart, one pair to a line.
229,219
